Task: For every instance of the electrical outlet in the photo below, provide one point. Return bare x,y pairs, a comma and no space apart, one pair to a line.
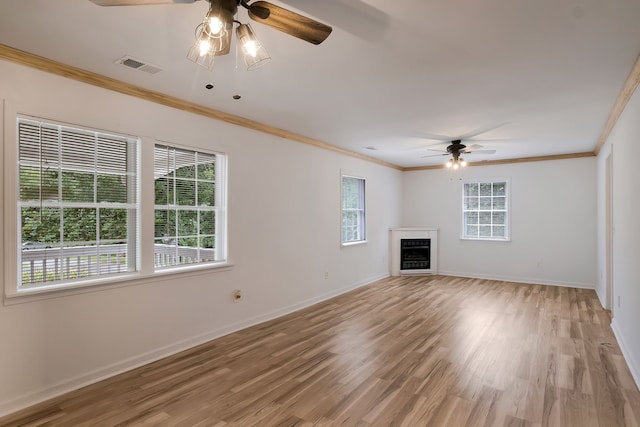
618,301
237,295
326,275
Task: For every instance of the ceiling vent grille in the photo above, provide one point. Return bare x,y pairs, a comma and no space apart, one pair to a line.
139,65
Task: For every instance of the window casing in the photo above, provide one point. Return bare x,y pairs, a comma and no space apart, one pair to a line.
485,209
79,214
353,210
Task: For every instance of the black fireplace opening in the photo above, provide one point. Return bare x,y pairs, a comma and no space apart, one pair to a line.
415,254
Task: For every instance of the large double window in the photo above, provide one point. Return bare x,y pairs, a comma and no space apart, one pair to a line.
79,212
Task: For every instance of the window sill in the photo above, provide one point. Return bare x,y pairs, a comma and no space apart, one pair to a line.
473,239
115,282
356,243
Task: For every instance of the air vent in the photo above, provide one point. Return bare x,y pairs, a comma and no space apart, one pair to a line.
137,64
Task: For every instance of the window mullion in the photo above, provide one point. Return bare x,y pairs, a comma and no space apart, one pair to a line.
60,189
146,198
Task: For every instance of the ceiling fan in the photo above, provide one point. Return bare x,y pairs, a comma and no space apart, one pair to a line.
213,35
456,149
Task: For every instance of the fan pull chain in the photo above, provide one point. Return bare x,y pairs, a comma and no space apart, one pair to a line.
237,96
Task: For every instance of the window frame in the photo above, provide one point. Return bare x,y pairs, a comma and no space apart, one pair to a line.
506,210
144,271
361,210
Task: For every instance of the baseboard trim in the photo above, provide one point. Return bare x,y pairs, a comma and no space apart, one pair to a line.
21,402
634,365
603,303
515,279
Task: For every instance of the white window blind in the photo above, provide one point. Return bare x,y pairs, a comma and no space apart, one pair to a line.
188,201
77,203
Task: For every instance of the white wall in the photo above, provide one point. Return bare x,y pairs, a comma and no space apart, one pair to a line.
624,141
553,222
284,228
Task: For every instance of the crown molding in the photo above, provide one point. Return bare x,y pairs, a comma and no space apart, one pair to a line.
47,65
509,161
50,66
625,95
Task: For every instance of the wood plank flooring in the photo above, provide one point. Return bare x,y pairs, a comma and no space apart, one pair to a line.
407,351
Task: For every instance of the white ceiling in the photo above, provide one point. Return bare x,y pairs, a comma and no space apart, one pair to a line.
533,77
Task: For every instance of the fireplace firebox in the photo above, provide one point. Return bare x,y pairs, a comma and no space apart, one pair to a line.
415,254
413,250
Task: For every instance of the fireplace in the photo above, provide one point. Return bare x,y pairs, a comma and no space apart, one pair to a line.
413,251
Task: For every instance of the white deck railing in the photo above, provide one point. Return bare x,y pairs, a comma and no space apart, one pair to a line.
52,264
168,255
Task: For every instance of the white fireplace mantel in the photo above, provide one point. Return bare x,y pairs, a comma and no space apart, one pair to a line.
399,233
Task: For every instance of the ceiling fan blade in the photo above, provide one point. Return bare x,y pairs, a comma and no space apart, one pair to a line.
353,16
480,131
480,152
289,22
463,137
473,147
433,137
137,2
435,155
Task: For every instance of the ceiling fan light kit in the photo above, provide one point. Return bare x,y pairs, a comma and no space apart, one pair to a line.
456,148
213,35
456,163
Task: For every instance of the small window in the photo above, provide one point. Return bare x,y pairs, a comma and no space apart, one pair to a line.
77,204
485,214
189,228
353,210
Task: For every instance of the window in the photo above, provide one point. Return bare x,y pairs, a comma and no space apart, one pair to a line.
80,217
186,207
485,210
353,210
77,203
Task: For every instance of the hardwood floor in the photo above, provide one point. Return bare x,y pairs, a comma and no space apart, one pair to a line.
421,351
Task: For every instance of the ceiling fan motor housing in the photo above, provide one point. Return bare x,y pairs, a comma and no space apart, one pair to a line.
456,148
230,5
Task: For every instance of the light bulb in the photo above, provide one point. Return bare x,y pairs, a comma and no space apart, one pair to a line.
251,48
456,165
449,164
463,162
215,25
203,46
